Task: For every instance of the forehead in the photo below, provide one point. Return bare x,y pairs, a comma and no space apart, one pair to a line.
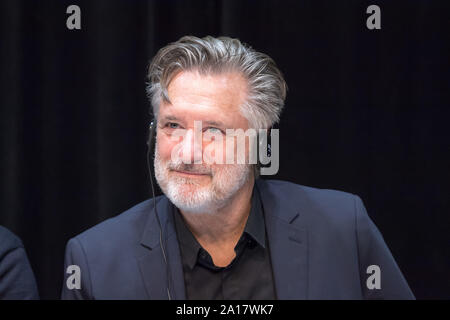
197,96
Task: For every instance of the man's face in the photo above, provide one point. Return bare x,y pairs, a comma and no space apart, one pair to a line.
191,182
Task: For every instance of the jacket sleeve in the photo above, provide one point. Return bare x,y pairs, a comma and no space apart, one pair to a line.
76,281
381,277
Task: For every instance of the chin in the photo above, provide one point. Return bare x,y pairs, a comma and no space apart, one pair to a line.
191,198
186,190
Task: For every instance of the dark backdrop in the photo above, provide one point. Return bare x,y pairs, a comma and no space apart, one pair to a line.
367,112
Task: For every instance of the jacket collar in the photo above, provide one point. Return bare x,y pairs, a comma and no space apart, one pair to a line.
287,240
152,263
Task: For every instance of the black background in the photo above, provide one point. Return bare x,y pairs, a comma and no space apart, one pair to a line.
367,112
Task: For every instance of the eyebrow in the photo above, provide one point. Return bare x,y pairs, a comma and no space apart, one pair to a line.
207,122
214,123
168,117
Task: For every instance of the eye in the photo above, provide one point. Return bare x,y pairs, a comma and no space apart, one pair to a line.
172,125
214,130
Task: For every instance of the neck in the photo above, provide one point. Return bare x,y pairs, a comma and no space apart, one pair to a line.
226,224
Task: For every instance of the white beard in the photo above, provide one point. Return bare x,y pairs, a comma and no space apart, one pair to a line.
187,195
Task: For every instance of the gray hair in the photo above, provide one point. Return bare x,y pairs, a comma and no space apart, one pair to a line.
266,85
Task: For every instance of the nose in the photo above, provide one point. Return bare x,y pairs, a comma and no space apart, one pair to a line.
192,146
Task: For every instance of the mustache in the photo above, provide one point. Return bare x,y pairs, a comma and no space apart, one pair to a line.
191,168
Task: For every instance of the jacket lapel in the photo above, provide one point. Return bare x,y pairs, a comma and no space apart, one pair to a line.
287,242
151,263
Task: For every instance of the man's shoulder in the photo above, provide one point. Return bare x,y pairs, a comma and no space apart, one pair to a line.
8,241
293,192
288,187
310,202
127,227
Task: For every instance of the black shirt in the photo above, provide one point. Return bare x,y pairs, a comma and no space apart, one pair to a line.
248,276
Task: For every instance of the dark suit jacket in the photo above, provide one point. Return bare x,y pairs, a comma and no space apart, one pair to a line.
16,277
321,244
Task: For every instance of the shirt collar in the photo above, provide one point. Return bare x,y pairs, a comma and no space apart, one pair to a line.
189,246
255,228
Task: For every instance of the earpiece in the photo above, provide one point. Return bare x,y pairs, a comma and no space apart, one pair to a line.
151,134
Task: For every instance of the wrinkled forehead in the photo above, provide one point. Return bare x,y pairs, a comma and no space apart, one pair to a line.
214,97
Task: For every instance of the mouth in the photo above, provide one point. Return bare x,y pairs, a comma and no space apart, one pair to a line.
190,174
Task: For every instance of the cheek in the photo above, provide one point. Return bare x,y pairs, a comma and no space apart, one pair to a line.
238,149
231,150
165,147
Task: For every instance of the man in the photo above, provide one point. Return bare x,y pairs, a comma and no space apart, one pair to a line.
220,232
16,277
